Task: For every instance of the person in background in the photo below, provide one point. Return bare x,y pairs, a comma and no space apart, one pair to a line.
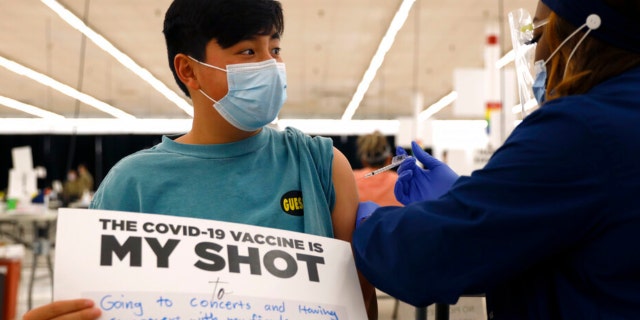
72,188
225,55
85,178
374,153
548,228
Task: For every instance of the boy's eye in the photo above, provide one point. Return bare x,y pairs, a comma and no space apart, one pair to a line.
248,51
276,51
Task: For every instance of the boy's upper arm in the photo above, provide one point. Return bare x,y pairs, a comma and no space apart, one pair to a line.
344,219
343,215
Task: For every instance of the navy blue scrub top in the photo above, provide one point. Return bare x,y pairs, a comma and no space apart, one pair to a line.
548,229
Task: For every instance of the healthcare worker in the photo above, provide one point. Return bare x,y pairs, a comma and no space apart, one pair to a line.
550,227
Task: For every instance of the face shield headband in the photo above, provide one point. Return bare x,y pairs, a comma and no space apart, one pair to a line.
619,30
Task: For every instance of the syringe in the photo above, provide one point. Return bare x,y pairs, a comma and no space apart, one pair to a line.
395,161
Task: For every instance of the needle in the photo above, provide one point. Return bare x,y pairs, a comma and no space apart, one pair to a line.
396,161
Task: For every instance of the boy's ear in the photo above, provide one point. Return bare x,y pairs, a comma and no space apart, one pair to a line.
185,71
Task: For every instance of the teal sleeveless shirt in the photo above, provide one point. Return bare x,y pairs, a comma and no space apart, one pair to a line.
276,179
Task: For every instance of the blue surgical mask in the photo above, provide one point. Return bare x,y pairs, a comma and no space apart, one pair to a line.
256,93
539,86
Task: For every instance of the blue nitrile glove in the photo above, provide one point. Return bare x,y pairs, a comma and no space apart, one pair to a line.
365,209
417,184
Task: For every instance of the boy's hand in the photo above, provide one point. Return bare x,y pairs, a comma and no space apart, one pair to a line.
77,309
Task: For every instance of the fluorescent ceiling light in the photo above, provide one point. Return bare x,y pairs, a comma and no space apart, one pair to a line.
341,127
15,104
54,84
177,126
125,60
384,46
438,105
93,126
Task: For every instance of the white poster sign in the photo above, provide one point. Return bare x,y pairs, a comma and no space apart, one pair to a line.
145,266
22,158
23,184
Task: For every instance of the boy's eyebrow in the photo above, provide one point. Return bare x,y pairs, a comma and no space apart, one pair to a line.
274,36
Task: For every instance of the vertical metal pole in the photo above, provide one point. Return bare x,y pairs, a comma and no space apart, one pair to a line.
442,311
421,313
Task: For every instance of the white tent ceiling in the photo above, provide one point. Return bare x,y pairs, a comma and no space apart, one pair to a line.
327,46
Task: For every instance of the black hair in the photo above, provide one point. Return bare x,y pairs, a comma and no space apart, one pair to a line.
190,24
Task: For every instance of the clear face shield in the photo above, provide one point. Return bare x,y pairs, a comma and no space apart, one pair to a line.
522,28
524,47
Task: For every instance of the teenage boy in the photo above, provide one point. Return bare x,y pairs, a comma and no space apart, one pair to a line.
225,55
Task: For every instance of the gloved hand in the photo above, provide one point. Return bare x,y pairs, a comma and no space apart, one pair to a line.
365,209
417,184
